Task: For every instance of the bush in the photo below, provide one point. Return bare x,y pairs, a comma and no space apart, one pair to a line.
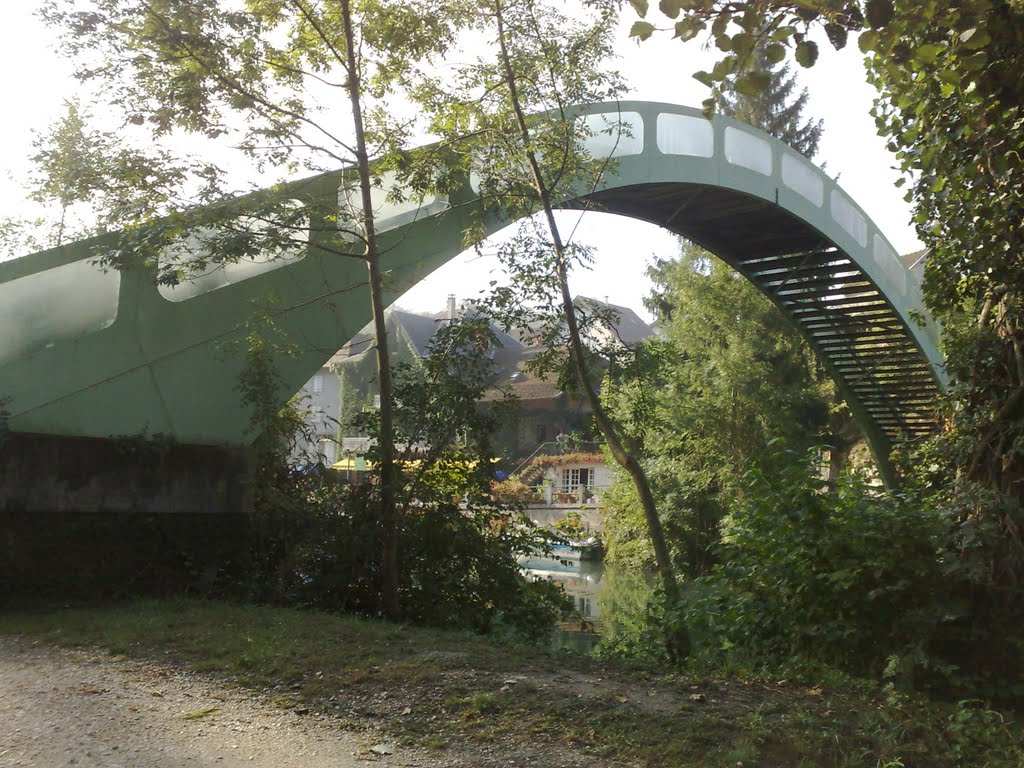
458,563
318,542
514,491
851,579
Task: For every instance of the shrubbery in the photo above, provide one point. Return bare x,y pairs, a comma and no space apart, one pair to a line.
869,582
317,541
459,565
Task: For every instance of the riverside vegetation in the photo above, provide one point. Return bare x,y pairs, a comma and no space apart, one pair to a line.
917,590
441,688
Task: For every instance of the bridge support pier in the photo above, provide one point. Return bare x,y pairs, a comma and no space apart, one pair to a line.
84,518
49,473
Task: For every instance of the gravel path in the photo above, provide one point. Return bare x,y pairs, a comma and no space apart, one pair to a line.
63,708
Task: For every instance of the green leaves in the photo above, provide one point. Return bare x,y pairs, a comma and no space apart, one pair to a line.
688,28
930,52
641,30
974,39
752,83
774,53
806,53
867,41
836,35
879,13
670,8
743,43
640,6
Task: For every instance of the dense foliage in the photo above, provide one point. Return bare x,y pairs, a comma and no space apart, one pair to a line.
799,572
316,539
949,103
843,579
730,375
731,372
858,579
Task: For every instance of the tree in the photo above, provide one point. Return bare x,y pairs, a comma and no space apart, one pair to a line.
730,377
774,109
94,178
528,155
732,373
252,76
949,102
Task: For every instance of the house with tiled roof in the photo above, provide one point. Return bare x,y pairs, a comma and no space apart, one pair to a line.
914,262
545,409
346,385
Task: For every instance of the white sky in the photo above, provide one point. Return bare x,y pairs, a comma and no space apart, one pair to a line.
36,81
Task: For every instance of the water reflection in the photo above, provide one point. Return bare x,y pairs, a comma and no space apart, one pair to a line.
581,580
611,602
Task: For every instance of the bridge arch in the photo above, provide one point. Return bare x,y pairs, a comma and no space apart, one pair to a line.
130,358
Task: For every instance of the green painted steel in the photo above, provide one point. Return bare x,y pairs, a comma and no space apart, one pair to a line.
88,353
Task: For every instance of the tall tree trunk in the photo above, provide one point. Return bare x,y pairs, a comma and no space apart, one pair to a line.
388,528
678,646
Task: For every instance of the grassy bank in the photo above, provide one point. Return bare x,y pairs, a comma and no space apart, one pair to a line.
433,688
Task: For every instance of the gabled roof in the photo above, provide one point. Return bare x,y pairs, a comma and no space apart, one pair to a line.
628,327
516,378
910,260
418,329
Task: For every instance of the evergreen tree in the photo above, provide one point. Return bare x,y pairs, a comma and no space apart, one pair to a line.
733,373
728,377
774,109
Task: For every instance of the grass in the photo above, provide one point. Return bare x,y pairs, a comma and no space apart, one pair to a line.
434,689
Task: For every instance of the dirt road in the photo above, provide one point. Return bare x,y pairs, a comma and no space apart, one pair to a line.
85,709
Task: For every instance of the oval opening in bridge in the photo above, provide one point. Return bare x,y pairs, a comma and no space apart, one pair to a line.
394,206
685,135
288,245
803,178
614,134
749,151
61,304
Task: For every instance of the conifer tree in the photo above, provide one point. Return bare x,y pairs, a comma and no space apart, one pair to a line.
775,109
734,374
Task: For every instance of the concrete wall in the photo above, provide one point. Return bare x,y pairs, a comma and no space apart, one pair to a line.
85,518
45,473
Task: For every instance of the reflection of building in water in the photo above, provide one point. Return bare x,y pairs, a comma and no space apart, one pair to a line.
580,579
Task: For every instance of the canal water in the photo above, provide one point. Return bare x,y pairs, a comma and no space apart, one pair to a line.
607,599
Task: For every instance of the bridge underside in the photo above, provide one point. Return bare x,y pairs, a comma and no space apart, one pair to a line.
96,354
853,328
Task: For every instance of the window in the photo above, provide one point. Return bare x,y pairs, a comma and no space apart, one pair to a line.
287,233
747,150
32,320
327,451
577,476
583,605
317,384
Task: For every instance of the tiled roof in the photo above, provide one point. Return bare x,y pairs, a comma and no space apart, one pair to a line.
629,327
516,378
910,259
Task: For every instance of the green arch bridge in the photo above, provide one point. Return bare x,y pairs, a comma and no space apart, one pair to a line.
88,353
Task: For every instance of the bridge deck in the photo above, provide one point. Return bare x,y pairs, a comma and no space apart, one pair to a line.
83,352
